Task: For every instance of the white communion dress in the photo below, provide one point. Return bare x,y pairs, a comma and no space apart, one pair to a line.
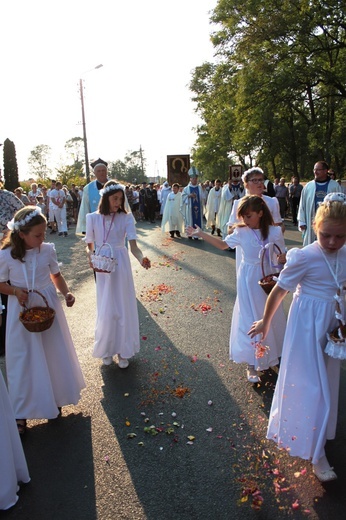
251,299
13,467
304,409
117,324
43,372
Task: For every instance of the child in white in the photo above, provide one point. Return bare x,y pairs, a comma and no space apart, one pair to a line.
57,198
304,409
256,235
43,371
117,324
12,459
172,219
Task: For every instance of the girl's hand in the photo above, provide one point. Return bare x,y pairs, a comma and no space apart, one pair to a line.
146,262
258,327
22,295
281,258
191,231
69,299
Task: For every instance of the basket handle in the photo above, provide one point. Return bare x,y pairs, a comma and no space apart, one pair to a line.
263,255
105,244
42,296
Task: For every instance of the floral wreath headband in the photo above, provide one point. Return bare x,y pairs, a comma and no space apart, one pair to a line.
16,225
334,197
111,187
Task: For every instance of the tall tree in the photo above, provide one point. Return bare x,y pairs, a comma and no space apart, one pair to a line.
38,161
285,62
131,168
10,166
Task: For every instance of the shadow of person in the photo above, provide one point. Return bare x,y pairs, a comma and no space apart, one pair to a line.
173,417
61,467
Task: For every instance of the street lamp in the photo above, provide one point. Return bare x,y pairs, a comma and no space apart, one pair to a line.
86,157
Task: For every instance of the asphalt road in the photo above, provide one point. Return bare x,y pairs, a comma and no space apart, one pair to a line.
180,434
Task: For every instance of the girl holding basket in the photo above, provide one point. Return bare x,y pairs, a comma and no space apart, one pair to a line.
43,371
256,235
305,404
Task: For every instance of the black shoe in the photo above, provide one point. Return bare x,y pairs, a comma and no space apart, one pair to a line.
172,234
218,232
65,233
60,234
213,230
178,234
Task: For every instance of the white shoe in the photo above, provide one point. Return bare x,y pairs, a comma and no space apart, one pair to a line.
252,375
123,363
324,476
107,360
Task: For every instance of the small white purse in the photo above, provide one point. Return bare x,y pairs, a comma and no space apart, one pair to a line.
102,263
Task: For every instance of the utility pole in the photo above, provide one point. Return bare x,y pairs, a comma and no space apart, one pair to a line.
141,158
86,157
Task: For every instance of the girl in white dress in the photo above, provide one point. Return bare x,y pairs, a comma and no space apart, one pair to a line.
117,324
254,237
12,459
43,371
304,409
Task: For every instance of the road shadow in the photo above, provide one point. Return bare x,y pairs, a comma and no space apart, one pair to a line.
59,454
191,450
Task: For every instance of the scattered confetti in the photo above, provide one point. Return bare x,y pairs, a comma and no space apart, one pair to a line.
260,349
296,505
180,391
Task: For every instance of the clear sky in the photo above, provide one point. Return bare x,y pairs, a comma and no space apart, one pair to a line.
148,49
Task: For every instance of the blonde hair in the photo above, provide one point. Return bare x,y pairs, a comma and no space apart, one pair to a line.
330,210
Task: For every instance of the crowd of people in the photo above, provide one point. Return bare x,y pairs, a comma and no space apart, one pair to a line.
58,203
246,214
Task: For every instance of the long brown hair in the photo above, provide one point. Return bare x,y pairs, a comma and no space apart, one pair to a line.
13,239
256,204
103,207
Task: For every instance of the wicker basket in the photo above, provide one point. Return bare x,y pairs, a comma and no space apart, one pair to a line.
37,319
267,282
103,264
336,346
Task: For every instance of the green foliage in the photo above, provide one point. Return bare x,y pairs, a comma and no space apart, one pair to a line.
131,169
38,162
71,174
10,166
276,94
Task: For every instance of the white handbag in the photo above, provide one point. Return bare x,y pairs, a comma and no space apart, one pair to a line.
102,263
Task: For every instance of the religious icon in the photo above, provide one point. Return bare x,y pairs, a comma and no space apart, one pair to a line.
177,169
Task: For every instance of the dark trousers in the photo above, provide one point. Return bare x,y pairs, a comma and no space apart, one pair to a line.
151,212
294,201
